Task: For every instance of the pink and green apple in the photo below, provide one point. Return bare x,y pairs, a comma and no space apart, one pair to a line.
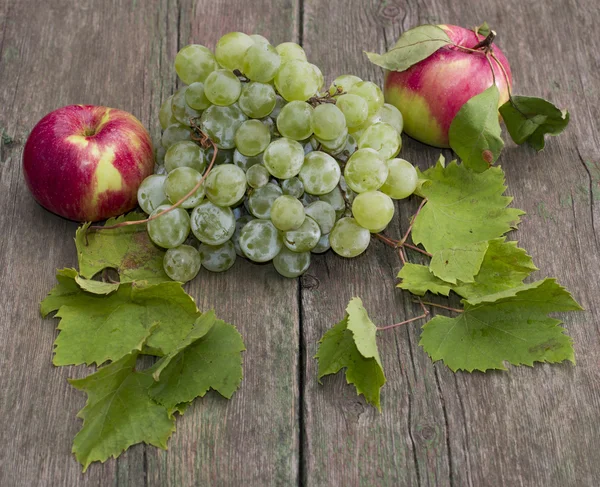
86,162
430,93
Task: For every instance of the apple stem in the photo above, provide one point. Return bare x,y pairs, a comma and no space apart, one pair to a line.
487,42
204,141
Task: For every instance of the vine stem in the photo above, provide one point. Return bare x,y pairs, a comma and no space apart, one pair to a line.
412,221
495,58
203,140
420,317
435,305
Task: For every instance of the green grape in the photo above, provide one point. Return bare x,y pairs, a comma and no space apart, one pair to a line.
170,229
195,97
194,63
328,121
185,154
383,138
246,162
323,213
174,133
323,245
310,145
222,87
336,199
181,181
287,213
283,158
336,145
279,104
261,62
225,185
349,149
293,187
258,39
217,258
182,112
221,124
371,93
365,171
252,138
159,156
289,51
165,114
390,114
240,223
257,176
270,124
257,100
348,238
320,173
319,75
402,179
151,193
308,198
261,200
224,156
348,193
212,224
343,83
291,264
354,108
296,80
373,210
304,238
295,120
231,49
181,263
260,240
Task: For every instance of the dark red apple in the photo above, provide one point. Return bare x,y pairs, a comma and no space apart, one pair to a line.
430,93
86,162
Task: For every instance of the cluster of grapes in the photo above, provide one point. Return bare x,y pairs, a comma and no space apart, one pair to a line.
298,170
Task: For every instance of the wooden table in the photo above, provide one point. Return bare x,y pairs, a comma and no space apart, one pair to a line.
527,427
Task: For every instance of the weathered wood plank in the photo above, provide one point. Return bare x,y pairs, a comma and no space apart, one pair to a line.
524,427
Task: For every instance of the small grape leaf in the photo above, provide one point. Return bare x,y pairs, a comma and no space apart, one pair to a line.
512,326
483,29
352,344
504,266
118,413
96,287
210,357
95,328
475,134
528,119
128,249
463,207
458,263
413,46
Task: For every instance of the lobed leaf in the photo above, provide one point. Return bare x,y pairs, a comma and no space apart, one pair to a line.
458,263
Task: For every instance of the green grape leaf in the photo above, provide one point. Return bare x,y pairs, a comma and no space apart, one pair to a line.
511,326
352,344
504,266
128,249
95,328
118,413
463,207
96,287
475,134
528,119
210,357
458,263
483,29
418,279
413,46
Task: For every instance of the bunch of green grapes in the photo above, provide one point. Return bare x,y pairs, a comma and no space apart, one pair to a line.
299,169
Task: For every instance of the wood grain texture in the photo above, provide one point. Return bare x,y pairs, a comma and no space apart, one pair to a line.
528,426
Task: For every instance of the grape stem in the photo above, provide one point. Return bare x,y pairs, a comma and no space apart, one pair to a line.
405,322
241,76
435,305
205,142
326,98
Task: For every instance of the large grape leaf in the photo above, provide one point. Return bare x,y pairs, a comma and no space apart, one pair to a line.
463,207
128,249
511,326
210,357
458,263
352,344
119,413
95,328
